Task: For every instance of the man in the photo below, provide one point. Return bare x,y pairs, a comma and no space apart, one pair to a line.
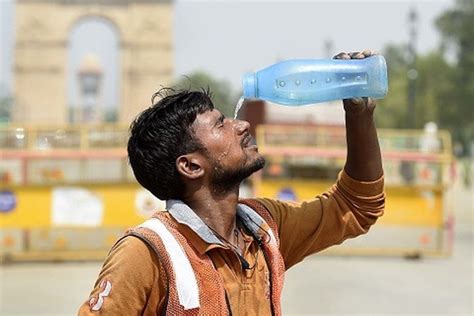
209,253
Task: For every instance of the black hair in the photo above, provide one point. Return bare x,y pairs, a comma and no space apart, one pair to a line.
162,133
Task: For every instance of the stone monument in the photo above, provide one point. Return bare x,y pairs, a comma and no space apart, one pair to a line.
42,32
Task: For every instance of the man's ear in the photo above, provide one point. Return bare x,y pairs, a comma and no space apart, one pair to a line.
190,166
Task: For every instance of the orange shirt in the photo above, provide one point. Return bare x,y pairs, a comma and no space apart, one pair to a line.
348,209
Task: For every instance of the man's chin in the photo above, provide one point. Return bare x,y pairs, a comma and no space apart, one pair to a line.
256,165
226,179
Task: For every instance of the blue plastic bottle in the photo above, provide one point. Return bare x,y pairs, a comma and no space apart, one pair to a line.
308,81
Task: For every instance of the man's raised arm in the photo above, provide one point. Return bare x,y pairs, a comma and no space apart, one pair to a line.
364,162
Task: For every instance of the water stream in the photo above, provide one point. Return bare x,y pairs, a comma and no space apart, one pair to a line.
238,106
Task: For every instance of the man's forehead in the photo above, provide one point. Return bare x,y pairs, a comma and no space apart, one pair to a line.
208,117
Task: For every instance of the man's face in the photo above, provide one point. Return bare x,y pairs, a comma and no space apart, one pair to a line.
232,153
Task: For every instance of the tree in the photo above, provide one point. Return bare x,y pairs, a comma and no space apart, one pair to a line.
433,85
392,111
457,29
223,97
444,91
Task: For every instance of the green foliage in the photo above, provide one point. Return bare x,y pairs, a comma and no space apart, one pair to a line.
392,111
444,91
457,29
434,85
223,97
6,104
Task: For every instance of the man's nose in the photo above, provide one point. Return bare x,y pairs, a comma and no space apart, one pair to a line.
242,126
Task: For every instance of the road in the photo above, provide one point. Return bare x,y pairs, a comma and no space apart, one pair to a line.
321,285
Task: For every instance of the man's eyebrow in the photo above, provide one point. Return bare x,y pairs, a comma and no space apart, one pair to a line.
220,119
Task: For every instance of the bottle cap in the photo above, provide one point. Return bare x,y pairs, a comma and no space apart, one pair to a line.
249,85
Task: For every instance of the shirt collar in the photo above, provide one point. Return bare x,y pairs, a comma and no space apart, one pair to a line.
184,215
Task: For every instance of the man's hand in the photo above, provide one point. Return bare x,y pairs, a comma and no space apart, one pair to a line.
364,160
358,105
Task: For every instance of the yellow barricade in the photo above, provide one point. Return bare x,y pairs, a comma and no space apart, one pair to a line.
68,193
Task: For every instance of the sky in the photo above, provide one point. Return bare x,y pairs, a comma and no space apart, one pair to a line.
229,38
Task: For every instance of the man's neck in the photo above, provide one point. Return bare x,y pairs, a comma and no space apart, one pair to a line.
218,211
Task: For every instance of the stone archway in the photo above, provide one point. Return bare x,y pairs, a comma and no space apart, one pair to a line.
42,30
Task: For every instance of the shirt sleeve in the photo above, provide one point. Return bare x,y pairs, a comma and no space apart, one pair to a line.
346,210
127,282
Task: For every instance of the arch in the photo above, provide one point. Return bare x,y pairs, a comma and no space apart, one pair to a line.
98,16
41,51
105,46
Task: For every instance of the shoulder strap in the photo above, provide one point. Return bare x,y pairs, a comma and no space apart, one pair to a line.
184,277
254,207
161,268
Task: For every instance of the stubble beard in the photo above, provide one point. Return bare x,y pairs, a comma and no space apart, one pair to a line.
225,180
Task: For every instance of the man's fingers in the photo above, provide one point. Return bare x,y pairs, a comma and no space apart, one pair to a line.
364,54
371,102
368,53
357,100
342,55
359,105
356,55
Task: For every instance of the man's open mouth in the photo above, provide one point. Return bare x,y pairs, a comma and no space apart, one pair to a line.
247,141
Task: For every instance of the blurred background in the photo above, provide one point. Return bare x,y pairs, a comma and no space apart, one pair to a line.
74,73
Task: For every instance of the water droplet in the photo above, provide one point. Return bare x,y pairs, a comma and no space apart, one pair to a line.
313,81
358,78
328,80
297,82
282,83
